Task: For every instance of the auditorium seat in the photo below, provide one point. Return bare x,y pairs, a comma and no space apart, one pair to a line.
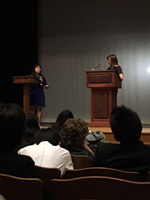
80,161
15,188
99,188
103,171
47,174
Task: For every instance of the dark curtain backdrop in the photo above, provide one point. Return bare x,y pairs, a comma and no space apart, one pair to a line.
18,45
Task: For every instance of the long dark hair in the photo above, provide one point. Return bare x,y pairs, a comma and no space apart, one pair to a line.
62,117
33,69
114,59
32,127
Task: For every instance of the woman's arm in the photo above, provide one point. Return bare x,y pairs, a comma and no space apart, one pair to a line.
121,76
46,86
85,146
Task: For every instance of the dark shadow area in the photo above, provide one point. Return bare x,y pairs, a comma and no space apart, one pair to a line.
18,44
93,17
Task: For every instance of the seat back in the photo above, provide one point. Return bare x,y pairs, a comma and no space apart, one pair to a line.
47,174
99,188
102,171
15,188
80,161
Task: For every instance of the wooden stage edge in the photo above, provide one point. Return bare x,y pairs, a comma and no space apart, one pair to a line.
145,136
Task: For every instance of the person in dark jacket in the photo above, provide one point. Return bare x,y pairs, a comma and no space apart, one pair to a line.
130,154
12,126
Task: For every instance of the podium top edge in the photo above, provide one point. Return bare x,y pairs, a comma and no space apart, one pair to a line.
23,76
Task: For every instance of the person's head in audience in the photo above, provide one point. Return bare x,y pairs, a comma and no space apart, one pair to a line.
73,133
32,127
62,117
32,121
126,125
48,134
12,126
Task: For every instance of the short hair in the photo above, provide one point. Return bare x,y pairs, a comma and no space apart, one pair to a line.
73,132
125,124
48,134
32,121
113,58
12,126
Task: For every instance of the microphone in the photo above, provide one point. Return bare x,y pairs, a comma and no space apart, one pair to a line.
41,79
96,66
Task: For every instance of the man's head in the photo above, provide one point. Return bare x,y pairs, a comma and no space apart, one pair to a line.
12,126
126,125
48,134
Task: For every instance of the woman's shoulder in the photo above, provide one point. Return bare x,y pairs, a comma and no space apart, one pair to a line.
34,75
118,66
42,75
119,69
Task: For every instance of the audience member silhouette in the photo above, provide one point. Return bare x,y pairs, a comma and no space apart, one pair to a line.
62,117
48,134
31,130
12,126
73,135
130,154
45,154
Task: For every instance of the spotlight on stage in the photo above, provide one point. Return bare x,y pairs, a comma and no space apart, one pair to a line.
148,70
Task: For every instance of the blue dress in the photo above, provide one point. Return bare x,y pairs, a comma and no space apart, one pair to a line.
37,96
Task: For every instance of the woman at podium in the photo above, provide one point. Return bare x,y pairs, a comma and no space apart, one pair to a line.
113,62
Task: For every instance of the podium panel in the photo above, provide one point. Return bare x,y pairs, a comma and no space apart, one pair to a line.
104,87
26,81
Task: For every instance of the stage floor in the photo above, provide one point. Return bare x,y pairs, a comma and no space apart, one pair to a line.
145,137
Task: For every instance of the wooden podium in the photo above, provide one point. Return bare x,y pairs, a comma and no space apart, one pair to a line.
104,87
26,81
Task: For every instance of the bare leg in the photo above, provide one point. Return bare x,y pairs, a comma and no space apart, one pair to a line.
39,112
32,109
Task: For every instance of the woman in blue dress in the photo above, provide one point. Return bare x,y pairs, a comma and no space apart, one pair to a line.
113,62
37,96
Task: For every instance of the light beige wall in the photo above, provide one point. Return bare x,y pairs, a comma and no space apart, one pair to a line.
75,35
